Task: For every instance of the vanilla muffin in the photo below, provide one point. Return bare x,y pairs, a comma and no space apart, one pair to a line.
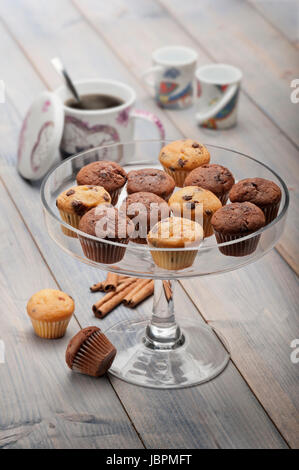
180,157
175,232
50,311
197,204
76,201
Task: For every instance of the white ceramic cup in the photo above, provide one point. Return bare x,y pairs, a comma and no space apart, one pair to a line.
86,129
218,88
173,76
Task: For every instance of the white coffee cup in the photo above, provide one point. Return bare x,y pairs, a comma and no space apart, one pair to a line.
173,72
85,129
218,88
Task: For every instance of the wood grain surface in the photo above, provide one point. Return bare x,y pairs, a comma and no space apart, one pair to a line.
254,403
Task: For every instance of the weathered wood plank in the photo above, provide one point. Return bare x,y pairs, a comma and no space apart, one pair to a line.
193,418
44,405
232,31
284,16
120,24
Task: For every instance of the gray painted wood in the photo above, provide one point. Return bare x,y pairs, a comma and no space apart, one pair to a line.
119,24
192,418
234,32
43,404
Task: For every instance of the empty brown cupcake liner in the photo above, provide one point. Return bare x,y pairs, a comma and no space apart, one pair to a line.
243,248
270,212
103,252
95,355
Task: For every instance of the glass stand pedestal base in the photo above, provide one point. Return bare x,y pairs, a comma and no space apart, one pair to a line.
199,356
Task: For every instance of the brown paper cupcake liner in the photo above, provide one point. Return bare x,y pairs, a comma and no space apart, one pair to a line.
224,198
103,252
238,249
270,212
50,330
95,355
173,260
71,219
179,176
115,195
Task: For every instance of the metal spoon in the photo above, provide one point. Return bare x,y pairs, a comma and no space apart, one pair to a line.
58,66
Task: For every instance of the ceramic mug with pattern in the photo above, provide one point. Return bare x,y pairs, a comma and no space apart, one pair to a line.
172,76
86,129
218,87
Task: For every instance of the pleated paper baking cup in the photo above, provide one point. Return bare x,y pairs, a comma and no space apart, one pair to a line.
223,199
207,226
95,355
103,252
71,219
50,330
174,260
270,212
178,176
237,249
114,196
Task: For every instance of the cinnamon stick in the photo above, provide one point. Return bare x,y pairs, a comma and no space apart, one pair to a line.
122,286
140,293
97,287
167,290
106,307
137,287
111,282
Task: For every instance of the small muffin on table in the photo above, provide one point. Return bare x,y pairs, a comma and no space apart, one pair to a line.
50,311
175,232
105,222
90,352
216,178
145,210
180,157
104,173
263,193
235,221
76,201
150,180
195,203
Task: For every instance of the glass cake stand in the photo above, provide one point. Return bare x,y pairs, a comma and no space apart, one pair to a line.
159,353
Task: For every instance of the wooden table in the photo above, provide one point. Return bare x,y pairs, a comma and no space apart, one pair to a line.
254,403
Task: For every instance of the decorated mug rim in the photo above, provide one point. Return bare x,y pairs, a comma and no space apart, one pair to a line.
236,73
193,56
94,112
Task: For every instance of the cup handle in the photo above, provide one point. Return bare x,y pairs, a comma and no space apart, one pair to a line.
151,117
148,80
212,111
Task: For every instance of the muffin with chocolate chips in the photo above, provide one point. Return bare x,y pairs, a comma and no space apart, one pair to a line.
180,157
76,201
106,223
150,180
263,193
235,221
197,204
215,178
145,210
108,174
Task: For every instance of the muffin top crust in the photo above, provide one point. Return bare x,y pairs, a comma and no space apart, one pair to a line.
215,178
106,222
175,232
259,191
80,199
150,180
108,174
50,305
239,217
184,155
189,198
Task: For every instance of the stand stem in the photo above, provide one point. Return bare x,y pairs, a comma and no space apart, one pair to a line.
163,331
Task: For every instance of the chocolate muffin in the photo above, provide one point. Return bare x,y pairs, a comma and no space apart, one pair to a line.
146,209
90,352
106,223
215,178
108,174
261,192
150,180
235,221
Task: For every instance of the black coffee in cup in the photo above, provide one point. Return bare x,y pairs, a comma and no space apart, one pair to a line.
94,102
